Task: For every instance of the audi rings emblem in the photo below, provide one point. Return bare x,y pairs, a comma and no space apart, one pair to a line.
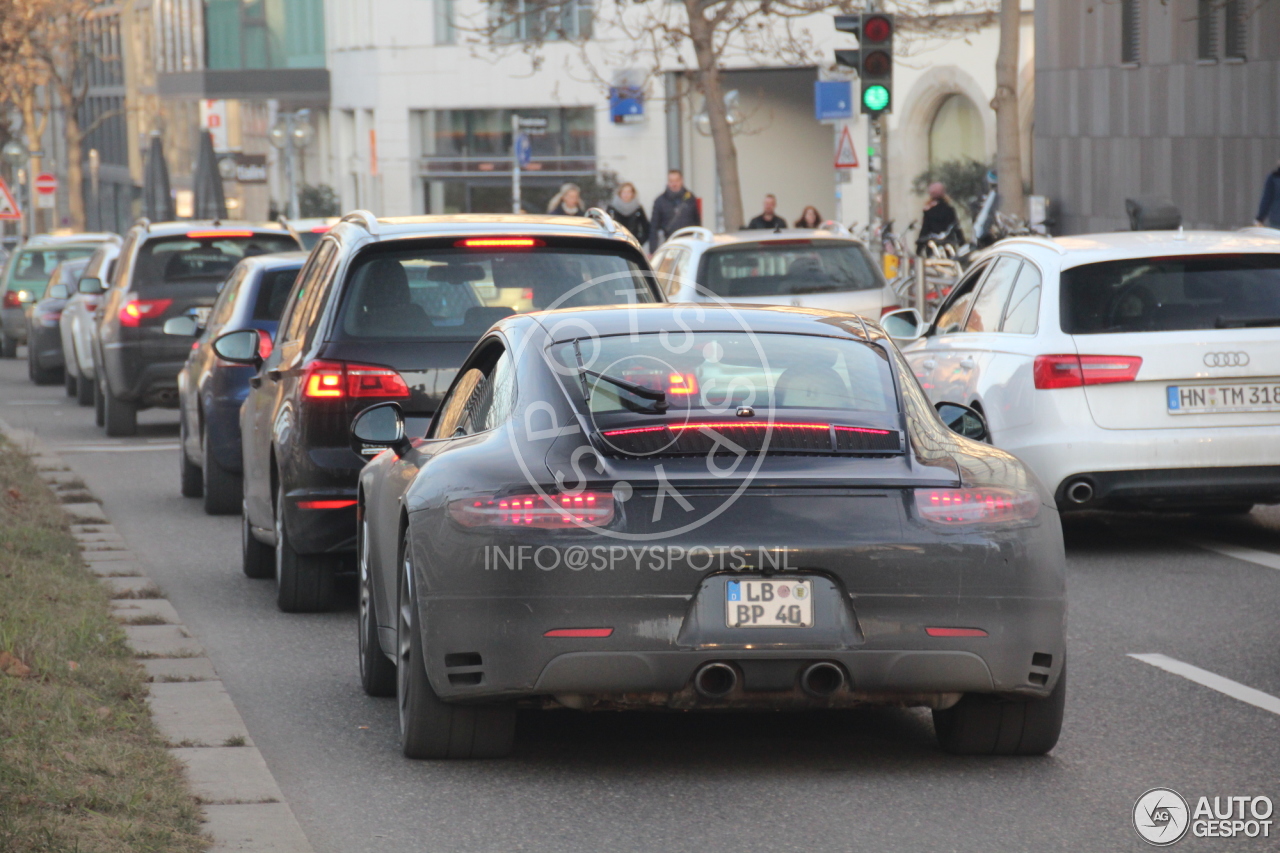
1226,359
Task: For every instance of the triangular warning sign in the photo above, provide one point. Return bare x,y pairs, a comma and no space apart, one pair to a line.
8,207
846,155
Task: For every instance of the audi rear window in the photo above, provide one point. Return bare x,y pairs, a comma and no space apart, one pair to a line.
458,293
273,292
786,268
1169,294
187,259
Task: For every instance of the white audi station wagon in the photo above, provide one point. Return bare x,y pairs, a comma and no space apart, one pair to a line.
1132,370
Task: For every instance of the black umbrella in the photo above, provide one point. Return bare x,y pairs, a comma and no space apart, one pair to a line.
210,203
157,199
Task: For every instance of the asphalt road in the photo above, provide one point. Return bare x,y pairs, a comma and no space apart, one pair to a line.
871,780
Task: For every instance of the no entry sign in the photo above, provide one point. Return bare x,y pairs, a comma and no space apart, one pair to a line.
46,184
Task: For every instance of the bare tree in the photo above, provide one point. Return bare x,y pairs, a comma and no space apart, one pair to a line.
705,37
1005,103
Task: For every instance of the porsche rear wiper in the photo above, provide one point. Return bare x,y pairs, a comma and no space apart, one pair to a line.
659,398
1245,322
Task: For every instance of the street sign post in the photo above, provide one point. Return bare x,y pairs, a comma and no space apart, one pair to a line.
9,209
832,100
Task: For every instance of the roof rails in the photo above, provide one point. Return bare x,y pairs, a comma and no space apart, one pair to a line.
1034,239
603,219
697,232
364,219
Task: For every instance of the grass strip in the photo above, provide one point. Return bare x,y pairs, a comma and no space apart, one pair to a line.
82,768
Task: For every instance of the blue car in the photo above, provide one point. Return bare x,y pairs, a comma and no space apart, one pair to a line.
211,390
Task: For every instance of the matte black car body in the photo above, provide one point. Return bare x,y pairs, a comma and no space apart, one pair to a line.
298,449
136,364
211,391
44,334
849,522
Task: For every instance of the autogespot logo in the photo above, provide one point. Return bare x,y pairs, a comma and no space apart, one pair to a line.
1226,359
672,513
1161,817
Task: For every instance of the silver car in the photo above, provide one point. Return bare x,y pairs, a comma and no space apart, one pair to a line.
77,323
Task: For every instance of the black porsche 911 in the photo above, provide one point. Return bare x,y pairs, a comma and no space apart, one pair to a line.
703,507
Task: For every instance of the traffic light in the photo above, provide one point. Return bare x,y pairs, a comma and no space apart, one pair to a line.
873,60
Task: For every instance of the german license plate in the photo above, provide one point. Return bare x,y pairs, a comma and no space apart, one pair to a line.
1223,397
768,604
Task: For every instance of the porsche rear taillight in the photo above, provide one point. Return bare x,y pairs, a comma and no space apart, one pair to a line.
1073,371
334,380
137,310
545,512
976,506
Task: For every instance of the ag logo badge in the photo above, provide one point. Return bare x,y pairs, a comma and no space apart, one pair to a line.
1161,817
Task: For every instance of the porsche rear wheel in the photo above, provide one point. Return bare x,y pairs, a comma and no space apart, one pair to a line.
304,582
377,672
429,727
991,725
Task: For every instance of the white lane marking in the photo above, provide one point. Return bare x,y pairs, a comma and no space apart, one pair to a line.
33,403
1234,689
113,448
1252,555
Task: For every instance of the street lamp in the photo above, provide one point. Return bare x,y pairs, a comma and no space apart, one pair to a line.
291,133
17,156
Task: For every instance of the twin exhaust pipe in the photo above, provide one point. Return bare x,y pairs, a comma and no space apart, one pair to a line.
718,680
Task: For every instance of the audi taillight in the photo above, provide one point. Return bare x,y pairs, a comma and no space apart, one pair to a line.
1073,371
338,379
886,309
11,299
265,344
137,310
976,506
546,512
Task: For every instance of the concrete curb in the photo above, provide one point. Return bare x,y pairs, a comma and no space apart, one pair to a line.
244,809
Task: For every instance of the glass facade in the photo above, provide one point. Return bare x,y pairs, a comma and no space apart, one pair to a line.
530,20
265,34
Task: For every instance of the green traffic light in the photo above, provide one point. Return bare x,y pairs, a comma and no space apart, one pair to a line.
875,98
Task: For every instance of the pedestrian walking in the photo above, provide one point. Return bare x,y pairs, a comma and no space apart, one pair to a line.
769,219
567,202
676,208
940,222
1269,209
809,218
628,212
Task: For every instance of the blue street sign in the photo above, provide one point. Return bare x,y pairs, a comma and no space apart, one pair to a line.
832,99
524,150
626,104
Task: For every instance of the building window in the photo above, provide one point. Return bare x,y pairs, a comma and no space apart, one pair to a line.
1129,32
957,134
540,20
1235,16
1207,29
445,32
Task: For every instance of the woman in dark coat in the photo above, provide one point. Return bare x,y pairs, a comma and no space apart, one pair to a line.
627,210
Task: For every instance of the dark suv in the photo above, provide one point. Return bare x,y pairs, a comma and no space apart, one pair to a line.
388,309
166,269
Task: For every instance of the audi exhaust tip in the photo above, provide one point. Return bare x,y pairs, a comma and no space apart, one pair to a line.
1080,492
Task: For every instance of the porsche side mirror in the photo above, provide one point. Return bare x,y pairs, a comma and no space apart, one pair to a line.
90,286
965,421
59,291
904,324
378,428
240,347
185,327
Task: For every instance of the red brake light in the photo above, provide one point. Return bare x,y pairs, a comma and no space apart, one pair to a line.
955,632
336,379
976,506
552,512
886,309
338,504
498,243
1072,371
579,632
321,229
682,384
206,235
12,300
137,310
265,344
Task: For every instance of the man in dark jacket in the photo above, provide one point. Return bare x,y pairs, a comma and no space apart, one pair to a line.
676,208
1269,209
939,222
769,220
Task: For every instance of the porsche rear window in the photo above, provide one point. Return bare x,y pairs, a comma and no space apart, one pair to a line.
1172,294
787,267
716,373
